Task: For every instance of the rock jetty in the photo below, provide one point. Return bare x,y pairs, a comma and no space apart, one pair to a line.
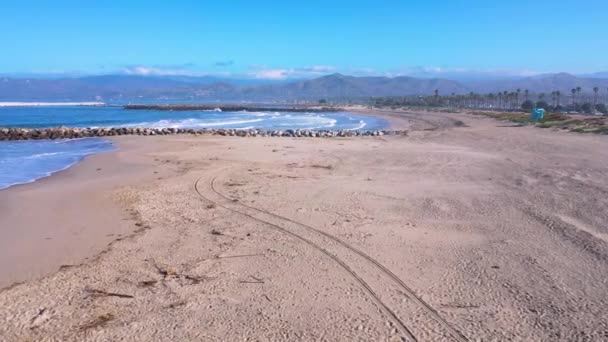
73,133
231,108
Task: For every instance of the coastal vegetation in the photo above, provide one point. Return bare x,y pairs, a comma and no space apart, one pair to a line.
515,106
579,124
579,102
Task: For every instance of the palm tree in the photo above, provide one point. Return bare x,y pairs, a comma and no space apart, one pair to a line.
595,91
517,98
513,100
573,96
526,92
500,100
492,100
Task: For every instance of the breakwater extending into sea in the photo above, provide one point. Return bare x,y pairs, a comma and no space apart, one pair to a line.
232,108
38,141
12,134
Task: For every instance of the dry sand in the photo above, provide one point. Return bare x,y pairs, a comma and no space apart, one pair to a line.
465,230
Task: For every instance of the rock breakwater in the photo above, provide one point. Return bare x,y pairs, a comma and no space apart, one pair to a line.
230,108
74,133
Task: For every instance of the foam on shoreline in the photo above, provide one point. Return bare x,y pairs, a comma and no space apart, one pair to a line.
49,104
24,162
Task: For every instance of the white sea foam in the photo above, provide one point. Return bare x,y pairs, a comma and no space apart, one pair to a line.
42,155
191,123
26,161
49,104
106,117
361,125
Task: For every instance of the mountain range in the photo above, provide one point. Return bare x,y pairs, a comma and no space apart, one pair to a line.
133,88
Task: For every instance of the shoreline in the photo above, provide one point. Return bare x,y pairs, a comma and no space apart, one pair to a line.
61,184
396,126
67,166
82,192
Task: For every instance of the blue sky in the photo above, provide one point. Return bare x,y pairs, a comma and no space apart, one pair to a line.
292,39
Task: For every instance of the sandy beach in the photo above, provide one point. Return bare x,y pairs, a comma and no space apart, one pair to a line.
466,229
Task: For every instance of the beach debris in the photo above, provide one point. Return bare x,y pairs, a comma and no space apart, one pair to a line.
216,232
164,271
98,322
195,279
102,293
176,304
171,273
65,267
238,256
318,166
233,183
41,316
147,283
255,280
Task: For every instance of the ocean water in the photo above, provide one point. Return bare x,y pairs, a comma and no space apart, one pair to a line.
39,117
26,161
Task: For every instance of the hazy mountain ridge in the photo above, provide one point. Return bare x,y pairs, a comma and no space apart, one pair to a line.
133,87
563,82
338,85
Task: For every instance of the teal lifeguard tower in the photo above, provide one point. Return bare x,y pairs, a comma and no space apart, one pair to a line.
538,114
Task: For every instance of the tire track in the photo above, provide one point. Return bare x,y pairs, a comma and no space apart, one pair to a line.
452,331
361,282
435,121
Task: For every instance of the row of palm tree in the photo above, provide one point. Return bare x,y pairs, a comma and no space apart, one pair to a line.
512,100
505,100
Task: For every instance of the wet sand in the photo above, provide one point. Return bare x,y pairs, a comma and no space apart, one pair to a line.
70,217
463,230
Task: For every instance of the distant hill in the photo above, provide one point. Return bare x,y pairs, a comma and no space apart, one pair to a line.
603,74
127,88
542,84
338,85
108,88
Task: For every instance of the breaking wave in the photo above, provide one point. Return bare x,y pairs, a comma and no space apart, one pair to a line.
26,161
42,117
